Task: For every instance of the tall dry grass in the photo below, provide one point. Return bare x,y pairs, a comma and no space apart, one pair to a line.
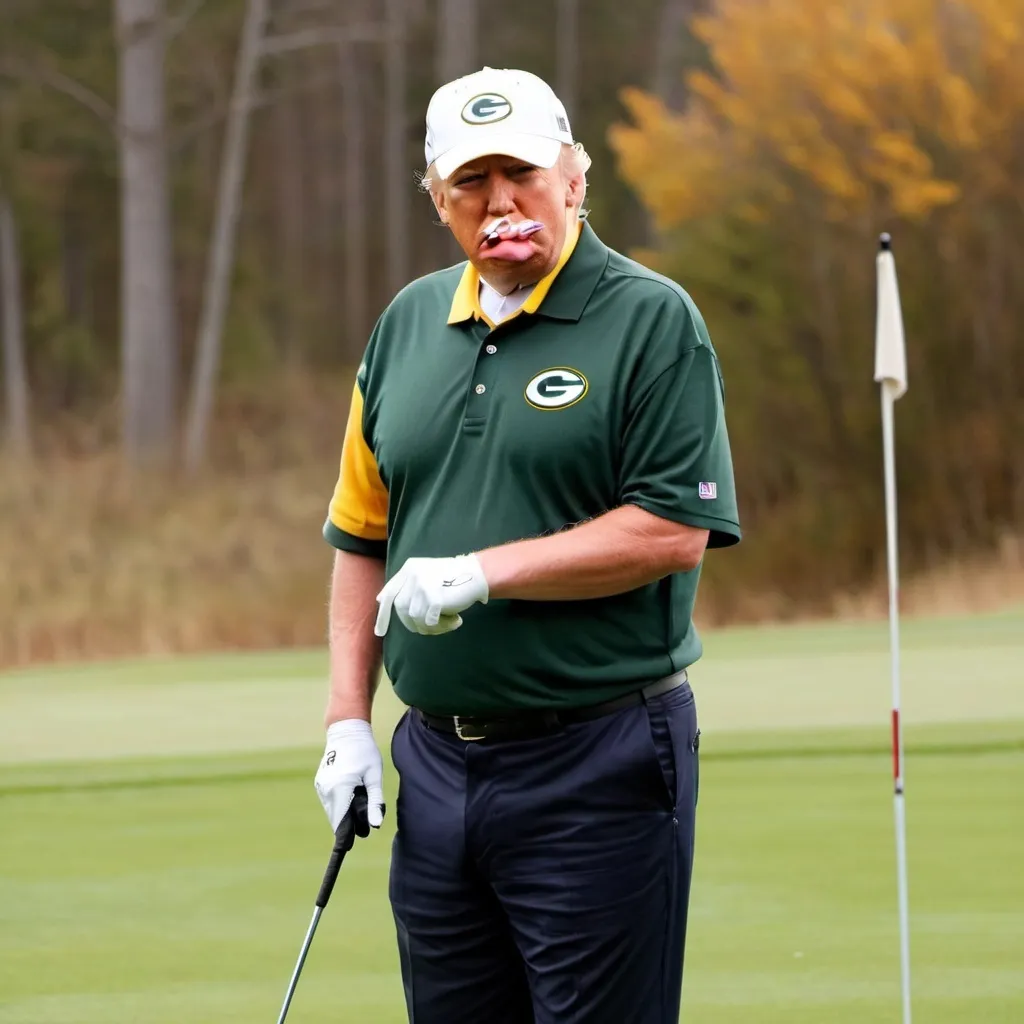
986,583
98,563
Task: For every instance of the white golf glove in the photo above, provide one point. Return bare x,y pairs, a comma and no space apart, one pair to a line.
427,594
350,759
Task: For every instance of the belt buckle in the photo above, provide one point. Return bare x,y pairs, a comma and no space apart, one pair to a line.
460,732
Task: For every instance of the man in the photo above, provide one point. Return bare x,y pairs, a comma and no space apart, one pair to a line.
535,460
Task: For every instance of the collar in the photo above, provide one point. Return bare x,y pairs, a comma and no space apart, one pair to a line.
491,299
563,299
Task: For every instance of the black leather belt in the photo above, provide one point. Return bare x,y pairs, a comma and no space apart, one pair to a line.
530,724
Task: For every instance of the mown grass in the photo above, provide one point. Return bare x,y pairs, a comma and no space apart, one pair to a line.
151,904
161,852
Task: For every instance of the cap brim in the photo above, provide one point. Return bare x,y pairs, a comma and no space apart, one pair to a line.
532,149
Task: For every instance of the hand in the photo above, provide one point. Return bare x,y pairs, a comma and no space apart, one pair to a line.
350,759
427,594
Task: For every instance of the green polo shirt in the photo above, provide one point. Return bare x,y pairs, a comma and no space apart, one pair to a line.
603,391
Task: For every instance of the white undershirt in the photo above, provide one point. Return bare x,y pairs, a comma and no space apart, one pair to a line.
500,307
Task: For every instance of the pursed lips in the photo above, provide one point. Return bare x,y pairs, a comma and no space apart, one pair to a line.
504,230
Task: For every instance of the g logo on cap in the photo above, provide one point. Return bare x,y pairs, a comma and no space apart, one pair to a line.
486,108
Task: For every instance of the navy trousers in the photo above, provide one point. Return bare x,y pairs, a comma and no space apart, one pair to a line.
546,881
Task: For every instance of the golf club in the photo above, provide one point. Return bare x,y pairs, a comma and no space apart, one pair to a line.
354,823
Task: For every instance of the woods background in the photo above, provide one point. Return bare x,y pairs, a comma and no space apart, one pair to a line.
204,204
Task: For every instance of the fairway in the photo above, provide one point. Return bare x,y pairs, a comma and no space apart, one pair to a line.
162,845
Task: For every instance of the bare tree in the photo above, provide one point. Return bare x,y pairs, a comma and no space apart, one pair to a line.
354,212
16,392
289,208
457,38
222,237
567,41
148,320
398,180
667,79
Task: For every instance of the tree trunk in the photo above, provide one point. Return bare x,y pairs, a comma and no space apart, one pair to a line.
667,80
457,39
325,187
16,392
222,238
567,36
397,172
290,217
148,320
354,198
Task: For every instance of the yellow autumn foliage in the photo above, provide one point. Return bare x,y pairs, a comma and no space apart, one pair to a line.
903,102
811,127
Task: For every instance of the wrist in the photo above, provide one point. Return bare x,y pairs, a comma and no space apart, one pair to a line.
498,569
343,711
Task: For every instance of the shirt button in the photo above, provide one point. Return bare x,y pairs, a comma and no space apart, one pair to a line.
491,349
480,389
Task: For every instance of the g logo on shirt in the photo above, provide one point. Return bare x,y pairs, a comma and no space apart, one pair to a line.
486,108
557,388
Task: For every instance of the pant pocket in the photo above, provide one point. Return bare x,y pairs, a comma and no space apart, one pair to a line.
664,750
673,718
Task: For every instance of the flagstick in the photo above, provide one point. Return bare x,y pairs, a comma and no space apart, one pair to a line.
891,373
888,443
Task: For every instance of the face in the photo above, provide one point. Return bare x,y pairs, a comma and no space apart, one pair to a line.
481,191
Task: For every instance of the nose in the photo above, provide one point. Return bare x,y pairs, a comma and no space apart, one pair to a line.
500,198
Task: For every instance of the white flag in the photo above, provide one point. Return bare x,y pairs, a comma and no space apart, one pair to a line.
890,348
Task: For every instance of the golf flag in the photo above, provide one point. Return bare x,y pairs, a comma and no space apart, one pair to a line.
890,349
891,373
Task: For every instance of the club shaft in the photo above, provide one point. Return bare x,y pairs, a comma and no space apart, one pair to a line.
307,942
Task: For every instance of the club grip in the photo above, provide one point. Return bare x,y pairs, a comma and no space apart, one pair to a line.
344,838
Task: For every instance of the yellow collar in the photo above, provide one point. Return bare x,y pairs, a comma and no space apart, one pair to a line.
466,302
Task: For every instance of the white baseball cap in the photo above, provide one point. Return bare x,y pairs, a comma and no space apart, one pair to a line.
495,110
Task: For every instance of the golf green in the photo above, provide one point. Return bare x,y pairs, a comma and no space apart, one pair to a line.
161,844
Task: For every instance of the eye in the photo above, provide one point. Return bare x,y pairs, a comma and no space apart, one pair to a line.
467,179
523,169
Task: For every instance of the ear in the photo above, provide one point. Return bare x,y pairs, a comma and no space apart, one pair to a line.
440,204
574,190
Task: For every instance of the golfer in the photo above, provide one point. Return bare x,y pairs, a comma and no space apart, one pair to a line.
535,461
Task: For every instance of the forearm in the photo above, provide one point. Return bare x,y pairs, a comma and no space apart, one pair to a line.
354,649
617,552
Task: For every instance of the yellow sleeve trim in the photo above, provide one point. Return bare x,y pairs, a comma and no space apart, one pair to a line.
360,502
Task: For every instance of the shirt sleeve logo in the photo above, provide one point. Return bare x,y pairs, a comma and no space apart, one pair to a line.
557,388
707,489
